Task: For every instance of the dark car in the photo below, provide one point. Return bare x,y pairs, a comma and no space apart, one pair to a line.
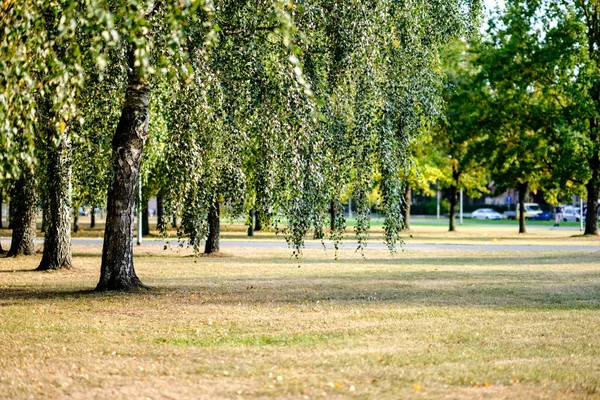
543,216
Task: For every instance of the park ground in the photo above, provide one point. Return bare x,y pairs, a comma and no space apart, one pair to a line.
255,323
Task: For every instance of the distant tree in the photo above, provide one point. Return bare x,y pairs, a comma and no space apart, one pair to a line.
459,132
529,64
579,19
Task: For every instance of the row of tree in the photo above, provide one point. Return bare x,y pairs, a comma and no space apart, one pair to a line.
271,106
522,108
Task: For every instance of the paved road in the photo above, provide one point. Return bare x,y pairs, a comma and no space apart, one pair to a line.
349,245
470,223
272,244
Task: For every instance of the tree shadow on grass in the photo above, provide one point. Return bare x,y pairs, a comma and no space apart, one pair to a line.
18,271
516,260
494,289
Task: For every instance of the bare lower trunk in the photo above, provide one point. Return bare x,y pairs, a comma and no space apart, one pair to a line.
1,201
453,202
251,224
593,185
591,218
406,207
117,272
76,220
93,218
453,198
145,221
1,226
57,241
522,187
332,215
23,201
257,222
160,212
45,212
11,212
214,226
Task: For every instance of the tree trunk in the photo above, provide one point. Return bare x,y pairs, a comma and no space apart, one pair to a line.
76,220
117,272
251,225
332,211
1,214
214,227
57,241
23,201
45,212
593,185
93,217
453,198
453,201
145,220
406,208
591,218
160,212
11,213
174,222
522,188
1,226
257,222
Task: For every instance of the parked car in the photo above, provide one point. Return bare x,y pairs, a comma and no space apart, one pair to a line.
486,213
571,214
543,216
531,210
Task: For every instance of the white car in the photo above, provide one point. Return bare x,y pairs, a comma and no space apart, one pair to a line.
486,213
571,214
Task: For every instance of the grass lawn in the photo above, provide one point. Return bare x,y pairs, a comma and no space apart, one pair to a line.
252,324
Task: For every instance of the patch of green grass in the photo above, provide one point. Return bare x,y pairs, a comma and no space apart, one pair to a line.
240,339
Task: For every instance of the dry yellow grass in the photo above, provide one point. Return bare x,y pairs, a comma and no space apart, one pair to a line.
255,325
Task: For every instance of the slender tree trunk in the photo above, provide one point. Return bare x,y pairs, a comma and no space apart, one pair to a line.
145,220
257,222
160,212
45,212
76,220
332,214
406,208
1,214
214,226
591,218
117,271
453,198
174,222
251,225
23,200
93,217
453,201
57,241
593,185
522,188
